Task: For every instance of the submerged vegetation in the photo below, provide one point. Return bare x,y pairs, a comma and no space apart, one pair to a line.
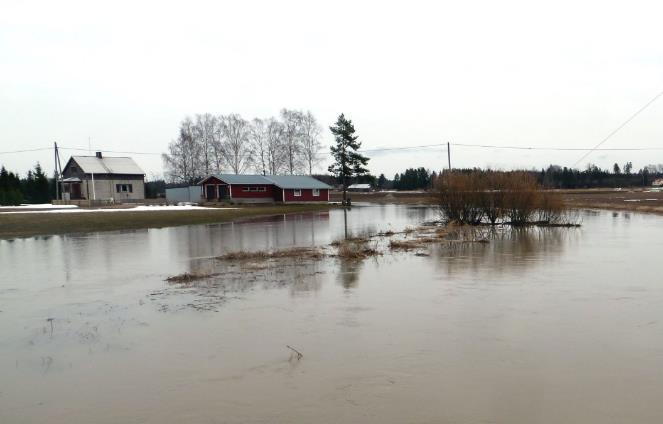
355,248
514,198
294,252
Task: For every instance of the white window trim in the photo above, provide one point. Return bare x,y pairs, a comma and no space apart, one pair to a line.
297,192
316,192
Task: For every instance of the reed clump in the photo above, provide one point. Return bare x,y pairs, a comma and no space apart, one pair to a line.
354,249
515,198
294,252
187,277
412,243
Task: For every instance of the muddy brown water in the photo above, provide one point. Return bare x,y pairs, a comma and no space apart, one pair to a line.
537,326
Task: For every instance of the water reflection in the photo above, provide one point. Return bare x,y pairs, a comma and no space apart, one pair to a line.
510,250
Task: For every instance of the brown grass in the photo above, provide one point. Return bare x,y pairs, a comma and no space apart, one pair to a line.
412,244
186,277
354,249
294,252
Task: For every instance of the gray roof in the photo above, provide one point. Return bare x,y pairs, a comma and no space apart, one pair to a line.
281,181
296,181
241,179
107,165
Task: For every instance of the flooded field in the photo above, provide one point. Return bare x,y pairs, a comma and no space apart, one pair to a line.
540,325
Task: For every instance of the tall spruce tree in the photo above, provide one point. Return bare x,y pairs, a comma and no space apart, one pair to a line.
348,162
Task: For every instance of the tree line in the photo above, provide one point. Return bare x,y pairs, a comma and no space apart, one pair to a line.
207,143
594,177
35,187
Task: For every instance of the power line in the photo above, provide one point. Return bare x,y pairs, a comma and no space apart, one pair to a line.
401,148
620,127
109,151
25,150
581,149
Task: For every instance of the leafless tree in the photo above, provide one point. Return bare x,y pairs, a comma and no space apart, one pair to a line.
235,132
218,152
204,130
208,143
275,152
182,162
292,136
258,140
310,141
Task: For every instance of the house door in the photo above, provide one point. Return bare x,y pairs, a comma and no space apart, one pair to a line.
211,192
76,191
223,192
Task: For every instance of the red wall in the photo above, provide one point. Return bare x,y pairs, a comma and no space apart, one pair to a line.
238,193
307,196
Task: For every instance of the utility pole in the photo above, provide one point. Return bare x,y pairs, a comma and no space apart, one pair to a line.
449,154
58,170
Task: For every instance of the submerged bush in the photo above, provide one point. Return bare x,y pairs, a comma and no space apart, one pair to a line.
497,197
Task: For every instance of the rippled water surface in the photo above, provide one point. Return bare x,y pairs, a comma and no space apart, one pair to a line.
537,326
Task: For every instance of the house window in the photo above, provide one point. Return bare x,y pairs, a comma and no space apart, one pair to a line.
297,192
254,189
316,192
124,188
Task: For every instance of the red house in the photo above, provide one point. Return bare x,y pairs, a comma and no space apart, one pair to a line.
264,188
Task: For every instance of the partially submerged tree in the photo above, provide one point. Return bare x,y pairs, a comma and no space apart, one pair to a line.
348,162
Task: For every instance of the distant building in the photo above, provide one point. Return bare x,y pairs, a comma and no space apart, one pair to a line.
359,187
658,182
102,178
263,188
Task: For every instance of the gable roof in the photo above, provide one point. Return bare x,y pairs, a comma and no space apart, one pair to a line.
106,165
281,181
296,181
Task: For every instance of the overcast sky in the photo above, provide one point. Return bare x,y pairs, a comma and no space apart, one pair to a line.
407,73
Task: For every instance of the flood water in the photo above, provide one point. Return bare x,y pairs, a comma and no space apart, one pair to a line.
537,326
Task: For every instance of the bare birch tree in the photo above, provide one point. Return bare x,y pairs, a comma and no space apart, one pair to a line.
218,148
288,144
235,132
203,133
310,141
292,132
182,162
258,140
275,152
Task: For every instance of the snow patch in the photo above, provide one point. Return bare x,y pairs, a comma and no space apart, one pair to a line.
135,209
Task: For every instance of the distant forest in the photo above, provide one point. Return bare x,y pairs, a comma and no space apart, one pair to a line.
552,177
35,187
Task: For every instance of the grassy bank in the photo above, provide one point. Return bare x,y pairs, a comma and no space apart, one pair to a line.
35,224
